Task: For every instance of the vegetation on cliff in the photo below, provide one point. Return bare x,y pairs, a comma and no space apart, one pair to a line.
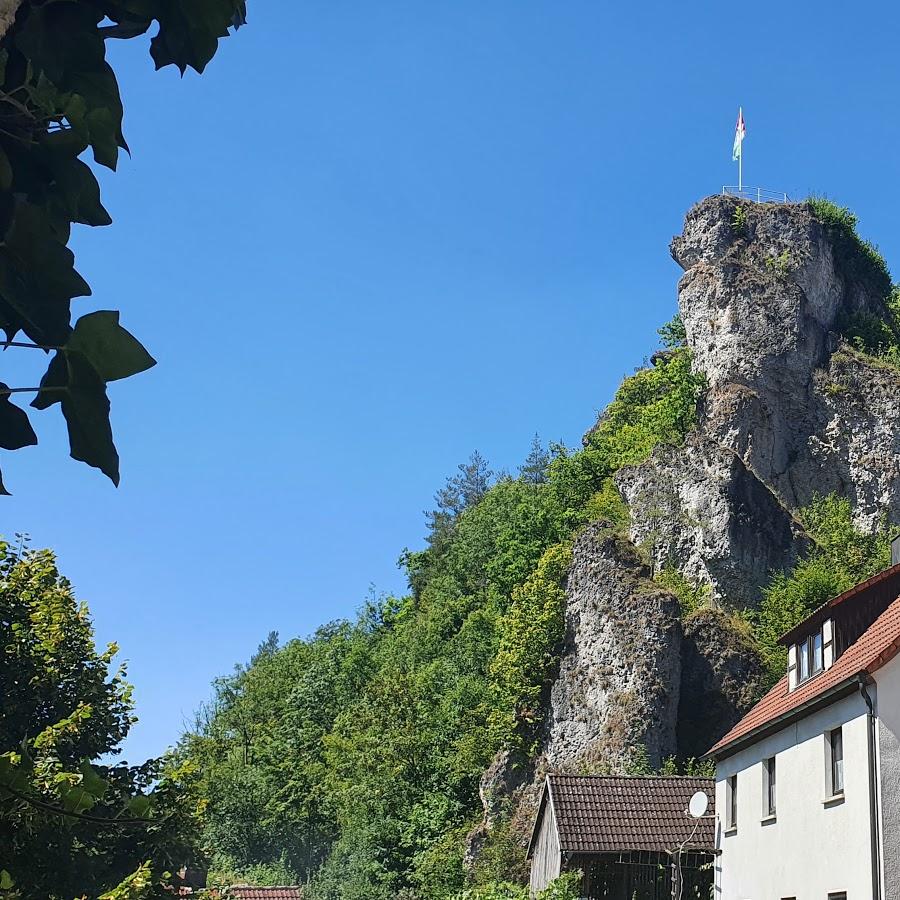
877,334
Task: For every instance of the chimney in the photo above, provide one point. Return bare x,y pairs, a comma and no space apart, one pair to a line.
895,551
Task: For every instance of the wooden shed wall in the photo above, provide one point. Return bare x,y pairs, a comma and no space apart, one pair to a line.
546,859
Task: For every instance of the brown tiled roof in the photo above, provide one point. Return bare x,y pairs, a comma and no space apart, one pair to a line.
877,646
600,814
242,892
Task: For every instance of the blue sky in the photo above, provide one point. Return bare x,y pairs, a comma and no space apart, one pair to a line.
374,237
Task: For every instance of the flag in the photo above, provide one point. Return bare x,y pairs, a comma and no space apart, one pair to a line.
739,131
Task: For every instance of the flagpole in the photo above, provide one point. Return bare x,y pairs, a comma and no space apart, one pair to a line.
740,153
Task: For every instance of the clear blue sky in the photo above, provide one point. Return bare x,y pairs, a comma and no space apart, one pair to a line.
375,236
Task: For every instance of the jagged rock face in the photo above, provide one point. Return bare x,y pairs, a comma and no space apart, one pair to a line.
789,412
784,418
620,674
721,678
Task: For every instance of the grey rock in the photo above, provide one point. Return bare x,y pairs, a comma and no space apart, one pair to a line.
619,678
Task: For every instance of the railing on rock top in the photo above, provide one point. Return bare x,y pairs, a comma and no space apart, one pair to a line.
757,195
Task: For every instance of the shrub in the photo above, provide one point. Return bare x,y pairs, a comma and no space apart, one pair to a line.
691,595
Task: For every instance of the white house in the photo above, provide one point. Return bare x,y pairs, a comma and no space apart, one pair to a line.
808,782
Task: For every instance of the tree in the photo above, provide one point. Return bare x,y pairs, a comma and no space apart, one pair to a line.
68,825
59,97
534,469
461,492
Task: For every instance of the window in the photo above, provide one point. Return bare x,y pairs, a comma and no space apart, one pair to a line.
769,787
731,802
811,659
836,760
840,895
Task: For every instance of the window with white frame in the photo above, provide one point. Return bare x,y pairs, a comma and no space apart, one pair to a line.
731,800
835,746
810,657
768,782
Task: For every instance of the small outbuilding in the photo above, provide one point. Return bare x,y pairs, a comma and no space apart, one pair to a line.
632,837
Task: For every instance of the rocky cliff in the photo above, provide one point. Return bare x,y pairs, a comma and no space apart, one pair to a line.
790,410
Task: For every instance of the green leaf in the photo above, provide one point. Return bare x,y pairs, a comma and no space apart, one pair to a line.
139,806
79,190
15,429
189,32
6,881
113,352
37,276
73,382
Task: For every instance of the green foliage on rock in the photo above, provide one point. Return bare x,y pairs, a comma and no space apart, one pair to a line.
71,826
859,259
530,635
875,335
691,595
842,557
59,98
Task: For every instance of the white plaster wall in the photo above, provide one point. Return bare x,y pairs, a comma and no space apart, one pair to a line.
888,709
813,847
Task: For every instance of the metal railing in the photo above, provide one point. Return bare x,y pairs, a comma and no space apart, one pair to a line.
757,195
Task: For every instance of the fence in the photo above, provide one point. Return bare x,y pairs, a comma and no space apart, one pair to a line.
757,195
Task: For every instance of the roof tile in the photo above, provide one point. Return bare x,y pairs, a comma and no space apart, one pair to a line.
604,814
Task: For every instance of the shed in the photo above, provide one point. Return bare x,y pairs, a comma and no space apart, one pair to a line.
632,837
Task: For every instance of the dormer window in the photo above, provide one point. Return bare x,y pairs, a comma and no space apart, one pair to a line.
811,655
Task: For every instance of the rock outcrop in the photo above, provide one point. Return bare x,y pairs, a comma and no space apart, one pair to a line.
789,411
620,674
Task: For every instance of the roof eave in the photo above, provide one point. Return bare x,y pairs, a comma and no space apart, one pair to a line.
545,794
819,701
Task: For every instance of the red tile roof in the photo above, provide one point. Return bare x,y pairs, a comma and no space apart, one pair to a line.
601,814
877,646
242,892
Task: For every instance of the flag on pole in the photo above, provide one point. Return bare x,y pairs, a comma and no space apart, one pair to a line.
739,131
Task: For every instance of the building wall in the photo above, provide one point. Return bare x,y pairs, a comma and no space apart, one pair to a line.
888,709
546,858
814,846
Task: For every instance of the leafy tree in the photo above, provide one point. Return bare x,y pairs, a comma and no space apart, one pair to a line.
58,98
67,824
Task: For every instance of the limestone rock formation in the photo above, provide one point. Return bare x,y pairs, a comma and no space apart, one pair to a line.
621,667
789,411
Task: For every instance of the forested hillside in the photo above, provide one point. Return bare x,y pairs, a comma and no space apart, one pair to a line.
352,759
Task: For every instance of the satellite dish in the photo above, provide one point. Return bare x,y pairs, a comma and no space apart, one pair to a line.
698,805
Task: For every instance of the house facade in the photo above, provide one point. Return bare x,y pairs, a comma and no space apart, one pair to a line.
631,837
808,782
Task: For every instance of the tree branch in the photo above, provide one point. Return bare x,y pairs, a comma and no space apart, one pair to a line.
59,811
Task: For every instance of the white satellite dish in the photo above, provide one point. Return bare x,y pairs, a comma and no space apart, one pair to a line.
698,805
